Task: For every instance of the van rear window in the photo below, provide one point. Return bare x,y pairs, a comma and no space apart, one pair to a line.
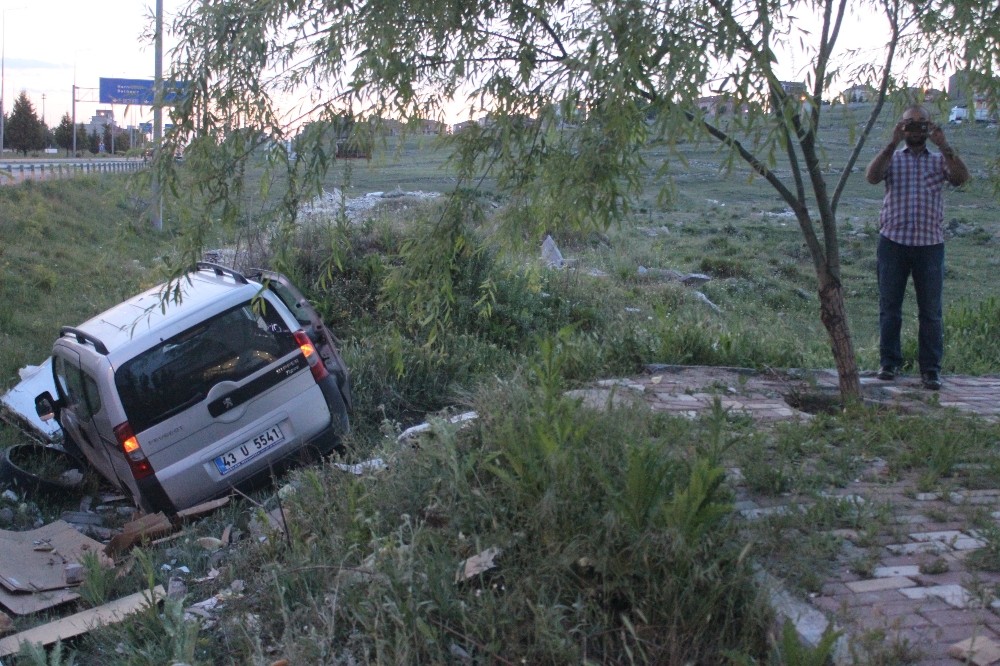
179,372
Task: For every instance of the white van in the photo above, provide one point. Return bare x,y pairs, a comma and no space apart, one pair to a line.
177,401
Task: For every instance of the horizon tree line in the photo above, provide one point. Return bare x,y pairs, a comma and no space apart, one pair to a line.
25,131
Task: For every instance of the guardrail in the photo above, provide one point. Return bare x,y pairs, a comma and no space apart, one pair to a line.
16,172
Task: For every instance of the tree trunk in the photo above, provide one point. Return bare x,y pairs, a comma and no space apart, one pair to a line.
834,317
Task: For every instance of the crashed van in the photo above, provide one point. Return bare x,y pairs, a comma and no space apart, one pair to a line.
185,391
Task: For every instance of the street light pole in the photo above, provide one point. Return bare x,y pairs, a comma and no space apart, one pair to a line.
155,194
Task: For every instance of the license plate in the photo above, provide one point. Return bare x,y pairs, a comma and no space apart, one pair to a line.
249,449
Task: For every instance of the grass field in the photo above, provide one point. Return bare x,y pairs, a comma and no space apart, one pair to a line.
615,528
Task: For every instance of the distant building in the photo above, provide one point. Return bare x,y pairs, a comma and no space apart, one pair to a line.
958,87
795,89
715,105
99,120
458,127
859,93
432,127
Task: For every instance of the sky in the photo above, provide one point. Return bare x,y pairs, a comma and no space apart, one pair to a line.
48,44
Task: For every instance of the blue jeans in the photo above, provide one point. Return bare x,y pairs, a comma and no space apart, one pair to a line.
896,263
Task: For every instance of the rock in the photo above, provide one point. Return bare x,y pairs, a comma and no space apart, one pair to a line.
550,254
6,516
695,279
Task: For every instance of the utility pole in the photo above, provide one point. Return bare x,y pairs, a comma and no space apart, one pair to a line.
74,117
157,197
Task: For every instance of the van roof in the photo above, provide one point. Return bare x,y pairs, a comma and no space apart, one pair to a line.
148,318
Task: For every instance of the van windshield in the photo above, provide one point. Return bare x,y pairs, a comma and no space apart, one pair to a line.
179,372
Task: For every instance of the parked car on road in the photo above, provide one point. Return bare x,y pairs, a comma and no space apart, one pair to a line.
178,400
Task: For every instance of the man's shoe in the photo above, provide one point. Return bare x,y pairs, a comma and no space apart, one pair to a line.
931,380
886,373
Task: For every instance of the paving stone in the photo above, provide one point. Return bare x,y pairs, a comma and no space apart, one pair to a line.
977,650
762,512
954,576
834,606
968,543
928,497
968,617
946,536
933,547
912,519
946,636
905,570
877,584
868,599
953,595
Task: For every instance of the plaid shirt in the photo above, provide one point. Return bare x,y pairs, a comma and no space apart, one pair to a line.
913,208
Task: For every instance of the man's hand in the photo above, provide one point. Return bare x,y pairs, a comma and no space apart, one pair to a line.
937,137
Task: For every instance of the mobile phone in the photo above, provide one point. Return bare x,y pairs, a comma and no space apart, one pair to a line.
917,126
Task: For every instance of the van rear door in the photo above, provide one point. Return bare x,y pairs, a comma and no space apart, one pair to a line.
234,379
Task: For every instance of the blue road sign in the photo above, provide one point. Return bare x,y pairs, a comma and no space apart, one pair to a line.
134,91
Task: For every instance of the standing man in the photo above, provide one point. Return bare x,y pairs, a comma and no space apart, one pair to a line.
911,239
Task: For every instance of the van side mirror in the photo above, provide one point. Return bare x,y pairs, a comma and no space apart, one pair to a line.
45,406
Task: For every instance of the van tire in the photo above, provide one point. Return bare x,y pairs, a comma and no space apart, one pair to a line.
13,473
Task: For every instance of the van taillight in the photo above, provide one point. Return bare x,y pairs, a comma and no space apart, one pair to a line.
316,365
133,453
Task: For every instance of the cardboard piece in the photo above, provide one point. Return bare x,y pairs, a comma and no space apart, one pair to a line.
35,560
202,509
149,527
82,622
26,604
155,525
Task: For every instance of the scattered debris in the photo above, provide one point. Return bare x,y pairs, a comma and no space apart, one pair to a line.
477,564
82,622
330,205
687,279
203,609
153,526
211,575
409,433
176,589
210,544
266,524
373,465
148,527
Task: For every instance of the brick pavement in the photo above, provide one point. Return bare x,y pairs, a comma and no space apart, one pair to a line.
920,603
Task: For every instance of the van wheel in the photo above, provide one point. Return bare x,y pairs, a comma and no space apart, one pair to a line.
33,468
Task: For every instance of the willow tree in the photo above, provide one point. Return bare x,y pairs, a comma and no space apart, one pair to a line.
574,90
